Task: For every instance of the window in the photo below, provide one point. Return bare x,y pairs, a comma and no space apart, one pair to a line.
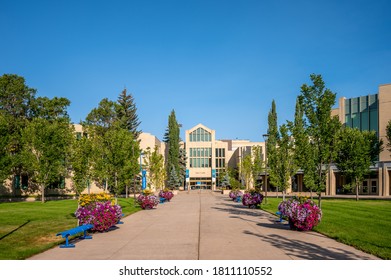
200,157
200,135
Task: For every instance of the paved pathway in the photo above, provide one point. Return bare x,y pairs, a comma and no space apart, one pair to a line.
204,225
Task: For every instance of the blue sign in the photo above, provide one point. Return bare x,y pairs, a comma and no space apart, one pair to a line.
144,180
213,173
187,173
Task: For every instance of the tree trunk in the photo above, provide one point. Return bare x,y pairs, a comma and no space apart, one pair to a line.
42,193
283,195
357,186
320,200
116,188
312,196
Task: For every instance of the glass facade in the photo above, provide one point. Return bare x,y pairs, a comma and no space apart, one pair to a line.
362,113
200,135
200,157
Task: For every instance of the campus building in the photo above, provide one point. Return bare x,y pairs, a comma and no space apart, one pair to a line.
368,112
208,157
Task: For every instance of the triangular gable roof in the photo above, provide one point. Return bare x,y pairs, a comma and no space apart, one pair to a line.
202,126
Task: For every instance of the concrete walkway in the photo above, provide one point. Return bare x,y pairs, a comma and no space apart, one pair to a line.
204,225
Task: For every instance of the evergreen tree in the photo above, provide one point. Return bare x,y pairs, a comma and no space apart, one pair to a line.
172,139
127,113
173,179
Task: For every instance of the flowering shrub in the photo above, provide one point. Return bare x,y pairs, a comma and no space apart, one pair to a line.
252,199
166,194
234,194
147,201
86,199
102,215
303,214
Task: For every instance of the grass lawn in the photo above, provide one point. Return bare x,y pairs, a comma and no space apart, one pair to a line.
27,228
364,224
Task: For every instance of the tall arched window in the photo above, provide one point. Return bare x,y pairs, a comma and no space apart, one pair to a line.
200,135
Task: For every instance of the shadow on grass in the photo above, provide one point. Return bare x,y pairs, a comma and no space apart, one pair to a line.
11,232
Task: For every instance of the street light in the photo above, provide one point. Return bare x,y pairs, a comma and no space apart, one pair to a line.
265,136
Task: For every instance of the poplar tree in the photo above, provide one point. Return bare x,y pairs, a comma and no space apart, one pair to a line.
285,162
81,159
182,165
172,139
303,148
273,136
257,166
155,166
322,128
246,170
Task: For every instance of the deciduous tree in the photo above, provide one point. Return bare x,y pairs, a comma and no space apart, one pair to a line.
356,152
322,127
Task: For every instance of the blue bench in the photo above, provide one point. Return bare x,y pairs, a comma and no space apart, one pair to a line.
65,234
280,214
162,199
121,222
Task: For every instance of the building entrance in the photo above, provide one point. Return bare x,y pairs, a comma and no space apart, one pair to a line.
200,183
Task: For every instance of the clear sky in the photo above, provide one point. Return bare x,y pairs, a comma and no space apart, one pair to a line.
215,62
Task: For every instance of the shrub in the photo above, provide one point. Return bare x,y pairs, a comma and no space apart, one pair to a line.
147,201
303,214
252,199
235,193
86,199
166,194
102,215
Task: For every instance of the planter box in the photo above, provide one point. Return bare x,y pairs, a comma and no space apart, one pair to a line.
225,191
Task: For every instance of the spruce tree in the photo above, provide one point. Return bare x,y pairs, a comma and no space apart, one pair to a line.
127,113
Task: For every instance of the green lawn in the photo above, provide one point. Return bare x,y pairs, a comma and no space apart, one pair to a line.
27,228
364,224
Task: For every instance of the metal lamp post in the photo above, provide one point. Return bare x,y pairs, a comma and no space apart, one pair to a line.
265,136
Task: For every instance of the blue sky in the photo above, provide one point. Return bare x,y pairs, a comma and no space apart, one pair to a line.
216,62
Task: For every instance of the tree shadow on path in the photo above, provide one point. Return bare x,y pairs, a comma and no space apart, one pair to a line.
305,250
